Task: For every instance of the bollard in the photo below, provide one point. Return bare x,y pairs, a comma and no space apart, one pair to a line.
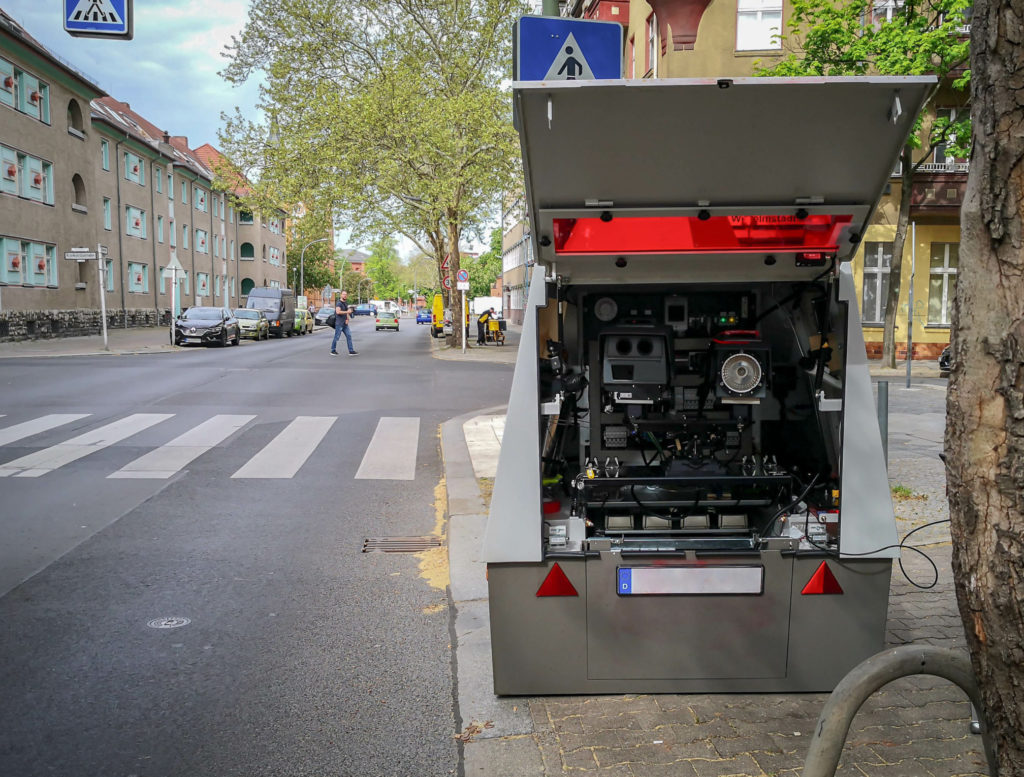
883,418
870,675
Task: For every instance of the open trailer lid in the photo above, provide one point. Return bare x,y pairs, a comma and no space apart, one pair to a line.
712,166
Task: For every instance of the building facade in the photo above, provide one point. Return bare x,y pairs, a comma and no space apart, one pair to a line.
83,170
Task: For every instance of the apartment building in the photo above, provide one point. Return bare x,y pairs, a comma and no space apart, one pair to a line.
83,170
48,190
516,257
680,39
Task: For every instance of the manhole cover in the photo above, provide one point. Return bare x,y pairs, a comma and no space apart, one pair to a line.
168,623
400,544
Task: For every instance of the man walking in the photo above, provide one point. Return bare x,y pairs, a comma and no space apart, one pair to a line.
341,314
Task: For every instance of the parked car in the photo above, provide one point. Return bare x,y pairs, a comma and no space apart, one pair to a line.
279,307
325,316
386,320
364,310
946,361
303,322
207,326
437,316
423,316
253,324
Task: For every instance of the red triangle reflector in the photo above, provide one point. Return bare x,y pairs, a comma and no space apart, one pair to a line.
556,584
822,582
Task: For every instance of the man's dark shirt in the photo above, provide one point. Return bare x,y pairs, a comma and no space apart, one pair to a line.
341,319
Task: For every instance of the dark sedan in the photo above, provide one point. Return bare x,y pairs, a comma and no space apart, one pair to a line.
324,316
207,326
946,362
364,310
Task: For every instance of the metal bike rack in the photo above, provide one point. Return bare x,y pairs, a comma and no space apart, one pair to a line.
870,675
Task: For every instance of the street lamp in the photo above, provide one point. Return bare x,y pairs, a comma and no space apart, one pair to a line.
359,288
302,262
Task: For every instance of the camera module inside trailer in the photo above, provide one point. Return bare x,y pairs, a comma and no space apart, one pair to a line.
691,493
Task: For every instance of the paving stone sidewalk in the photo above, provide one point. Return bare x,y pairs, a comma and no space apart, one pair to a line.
914,727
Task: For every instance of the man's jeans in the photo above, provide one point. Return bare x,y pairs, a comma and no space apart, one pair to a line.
338,329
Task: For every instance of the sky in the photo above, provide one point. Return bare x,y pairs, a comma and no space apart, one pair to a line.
168,71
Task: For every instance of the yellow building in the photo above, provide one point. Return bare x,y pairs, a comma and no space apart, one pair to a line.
731,38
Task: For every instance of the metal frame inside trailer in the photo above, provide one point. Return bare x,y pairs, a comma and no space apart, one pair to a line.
692,360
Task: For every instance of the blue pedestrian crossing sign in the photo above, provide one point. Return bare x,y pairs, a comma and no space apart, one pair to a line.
99,18
553,48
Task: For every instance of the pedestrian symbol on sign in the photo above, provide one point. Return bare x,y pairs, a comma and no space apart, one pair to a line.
95,11
570,64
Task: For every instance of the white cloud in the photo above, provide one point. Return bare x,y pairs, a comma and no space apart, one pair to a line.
168,72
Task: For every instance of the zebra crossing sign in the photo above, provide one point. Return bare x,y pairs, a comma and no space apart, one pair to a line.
99,18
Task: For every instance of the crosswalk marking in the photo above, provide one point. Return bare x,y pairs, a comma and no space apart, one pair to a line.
56,456
37,426
391,454
285,454
165,461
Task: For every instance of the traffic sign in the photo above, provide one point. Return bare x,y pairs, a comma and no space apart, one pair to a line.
104,251
553,48
79,256
99,18
446,263
447,282
462,285
463,276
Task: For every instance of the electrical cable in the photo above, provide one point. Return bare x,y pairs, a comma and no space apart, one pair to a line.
787,508
901,545
642,506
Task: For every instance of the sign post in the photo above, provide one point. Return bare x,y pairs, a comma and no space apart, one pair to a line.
462,282
100,267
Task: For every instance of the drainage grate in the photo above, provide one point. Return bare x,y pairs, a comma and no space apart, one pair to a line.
400,544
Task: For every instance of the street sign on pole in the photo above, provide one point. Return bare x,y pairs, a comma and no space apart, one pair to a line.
462,276
560,49
80,255
99,19
447,282
462,285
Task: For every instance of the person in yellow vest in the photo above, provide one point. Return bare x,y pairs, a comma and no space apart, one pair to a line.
481,325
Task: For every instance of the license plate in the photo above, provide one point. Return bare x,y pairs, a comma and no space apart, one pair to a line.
193,339
653,581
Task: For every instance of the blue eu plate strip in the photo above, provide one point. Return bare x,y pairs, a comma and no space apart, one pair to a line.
625,581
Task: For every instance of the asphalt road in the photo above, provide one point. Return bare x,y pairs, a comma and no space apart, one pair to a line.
302,655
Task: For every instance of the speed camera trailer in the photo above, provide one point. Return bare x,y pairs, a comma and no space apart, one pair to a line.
691,494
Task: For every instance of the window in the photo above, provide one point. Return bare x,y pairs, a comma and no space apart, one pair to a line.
8,170
184,282
201,241
231,215
942,282
245,217
134,168
135,222
202,284
78,185
170,186
184,236
884,11
138,277
216,286
75,124
159,229
216,207
105,153
172,236
27,263
163,279
108,272
24,92
199,198
651,28
25,176
106,213
940,156
248,252
215,251
232,255
222,210
877,261
758,25
158,178
184,193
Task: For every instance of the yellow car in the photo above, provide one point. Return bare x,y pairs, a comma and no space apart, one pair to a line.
303,322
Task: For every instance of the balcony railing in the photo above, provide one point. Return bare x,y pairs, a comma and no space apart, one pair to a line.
935,167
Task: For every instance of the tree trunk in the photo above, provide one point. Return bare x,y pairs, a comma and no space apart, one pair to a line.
458,315
892,298
985,402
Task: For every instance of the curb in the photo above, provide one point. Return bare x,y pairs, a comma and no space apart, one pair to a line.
467,517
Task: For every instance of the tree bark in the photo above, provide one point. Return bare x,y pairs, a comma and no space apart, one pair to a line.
454,232
892,298
985,402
